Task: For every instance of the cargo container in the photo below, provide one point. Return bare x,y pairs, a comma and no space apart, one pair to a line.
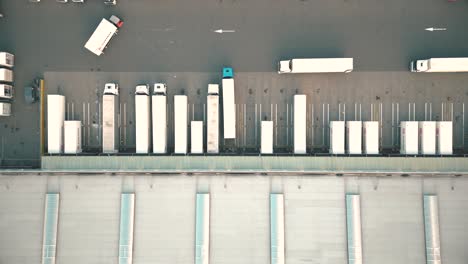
142,119
196,141
110,122
212,123
427,137
102,35
6,91
440,65
5,109
159,115
409,137
229,105
72,137
354,137
337,137
444,135
6,76
7,59
317,65
180,124
300,122
267,138
55,123
371,137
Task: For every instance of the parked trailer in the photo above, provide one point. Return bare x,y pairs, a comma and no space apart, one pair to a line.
142,119
409,137
196,141
229,105
6,91
427,137
72,131
7,59
317,65
267,137
5,109
180,124
354,137
102,35
110,108
300,122
444,134
6,75
55,123
337,137
371,137
440,65
212,124
159,113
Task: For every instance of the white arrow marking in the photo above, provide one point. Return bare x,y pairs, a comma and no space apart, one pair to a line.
220,31
435,29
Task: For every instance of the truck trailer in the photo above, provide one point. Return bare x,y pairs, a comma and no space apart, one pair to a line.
55,123
142,119
440,65
159,115
7,59
212,133
196,139
102,35
229,104
300,145
317,65
180,124
6,76
72,132
110,108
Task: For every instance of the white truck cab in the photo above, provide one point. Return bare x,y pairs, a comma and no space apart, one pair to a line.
111,88
159,89
142,89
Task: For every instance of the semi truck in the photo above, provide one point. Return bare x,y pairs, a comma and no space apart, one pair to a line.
142,118
110,108
55,123
440,65
6,75
180,124
7,59
212,133
229,104
6,91
159,113
196,139
102,35
72,132
317,65
5,109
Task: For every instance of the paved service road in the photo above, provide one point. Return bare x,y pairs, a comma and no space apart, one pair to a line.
177,36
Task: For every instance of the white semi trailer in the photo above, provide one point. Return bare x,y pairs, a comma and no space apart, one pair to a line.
72,137
110,108
159,115
142,119
7,59
55,123
317,65
6,75
180,124
103,34
212,133
229,109
300,124
440,65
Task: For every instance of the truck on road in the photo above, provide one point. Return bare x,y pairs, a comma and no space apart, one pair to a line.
102,35
229,104
142,118
440,65
159,111
110,107
317,65
212,124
